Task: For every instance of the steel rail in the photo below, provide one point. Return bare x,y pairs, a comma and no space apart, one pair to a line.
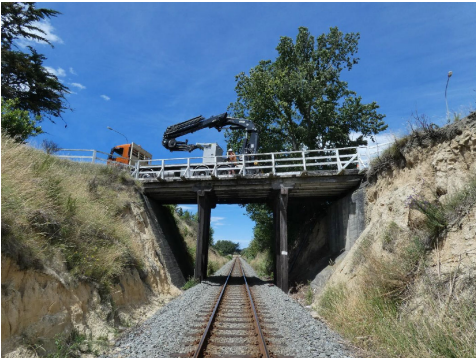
206,333
261,341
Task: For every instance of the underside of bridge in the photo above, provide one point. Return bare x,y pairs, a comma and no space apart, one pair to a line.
275,191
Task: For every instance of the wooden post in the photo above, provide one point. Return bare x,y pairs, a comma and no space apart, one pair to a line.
204,213
276,240
280,216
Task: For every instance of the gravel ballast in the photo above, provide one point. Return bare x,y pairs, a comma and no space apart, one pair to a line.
168,331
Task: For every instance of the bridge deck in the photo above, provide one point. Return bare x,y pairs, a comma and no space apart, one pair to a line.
235,189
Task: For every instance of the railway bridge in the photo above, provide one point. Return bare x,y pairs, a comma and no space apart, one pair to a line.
272,178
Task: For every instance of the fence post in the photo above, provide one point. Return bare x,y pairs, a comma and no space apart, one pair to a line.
94,156
162,172
304,161
187,175
339,164
136,175
244,164
273,162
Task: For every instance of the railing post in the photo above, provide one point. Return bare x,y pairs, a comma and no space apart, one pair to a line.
368,156
244,164
187,173
94,156
136,174
215,171
273,162
339,164
304,161
162,171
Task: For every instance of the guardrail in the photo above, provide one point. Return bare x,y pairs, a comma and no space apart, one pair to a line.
89,155
271,164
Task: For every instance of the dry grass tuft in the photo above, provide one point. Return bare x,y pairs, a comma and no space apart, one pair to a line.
399,307
54,207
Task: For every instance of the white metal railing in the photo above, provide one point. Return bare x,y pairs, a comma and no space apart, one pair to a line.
268,164
89,155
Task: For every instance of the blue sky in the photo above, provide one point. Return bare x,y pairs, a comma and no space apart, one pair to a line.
140,67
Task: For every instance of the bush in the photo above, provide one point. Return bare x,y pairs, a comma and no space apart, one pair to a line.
17,123
212,267
190,283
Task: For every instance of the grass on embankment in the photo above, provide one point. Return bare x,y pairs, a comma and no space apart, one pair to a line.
65,215
400,307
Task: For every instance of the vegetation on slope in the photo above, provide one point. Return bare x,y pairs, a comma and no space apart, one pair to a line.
59,213
187,224
405,301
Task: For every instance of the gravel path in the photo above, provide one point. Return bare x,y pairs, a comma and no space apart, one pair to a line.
168,331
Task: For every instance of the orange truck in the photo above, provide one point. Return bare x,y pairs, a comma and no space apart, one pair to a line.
127,154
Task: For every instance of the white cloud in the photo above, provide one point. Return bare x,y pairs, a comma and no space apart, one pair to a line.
72,71
59,72
48,34
217,221
78,85
104,97
187,208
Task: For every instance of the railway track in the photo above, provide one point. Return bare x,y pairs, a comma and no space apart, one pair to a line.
233,326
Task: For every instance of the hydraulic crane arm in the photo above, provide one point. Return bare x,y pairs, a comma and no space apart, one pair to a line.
219,122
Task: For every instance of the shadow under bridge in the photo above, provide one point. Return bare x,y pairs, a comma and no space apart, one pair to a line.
274,191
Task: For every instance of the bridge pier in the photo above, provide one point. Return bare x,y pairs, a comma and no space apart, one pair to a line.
280,220
205,204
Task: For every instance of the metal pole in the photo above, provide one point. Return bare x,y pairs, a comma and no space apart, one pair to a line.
450,73
127,140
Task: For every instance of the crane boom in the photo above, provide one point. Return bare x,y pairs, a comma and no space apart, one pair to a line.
250,145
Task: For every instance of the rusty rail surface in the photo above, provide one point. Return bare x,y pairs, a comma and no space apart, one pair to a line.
206,334
233,311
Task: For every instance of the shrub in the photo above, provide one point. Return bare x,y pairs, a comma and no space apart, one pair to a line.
190,283
212,267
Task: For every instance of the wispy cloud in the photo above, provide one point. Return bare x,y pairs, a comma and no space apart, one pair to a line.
78,85
104,97
48,34
59,72
217,221
72,71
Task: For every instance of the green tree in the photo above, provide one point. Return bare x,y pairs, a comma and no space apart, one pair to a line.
23,75
211,239
226,247
17,123
299,99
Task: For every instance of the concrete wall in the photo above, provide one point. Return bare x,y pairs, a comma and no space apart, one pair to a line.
174,254
346,221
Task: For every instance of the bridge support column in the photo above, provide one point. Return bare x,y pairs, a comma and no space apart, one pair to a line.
280,218
205,204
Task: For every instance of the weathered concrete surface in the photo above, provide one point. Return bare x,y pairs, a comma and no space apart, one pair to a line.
346,221
173,251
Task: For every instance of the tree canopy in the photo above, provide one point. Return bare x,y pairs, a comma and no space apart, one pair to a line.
17,123
24,78
299,99
226,247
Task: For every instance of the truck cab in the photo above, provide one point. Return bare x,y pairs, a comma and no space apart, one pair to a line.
128,154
